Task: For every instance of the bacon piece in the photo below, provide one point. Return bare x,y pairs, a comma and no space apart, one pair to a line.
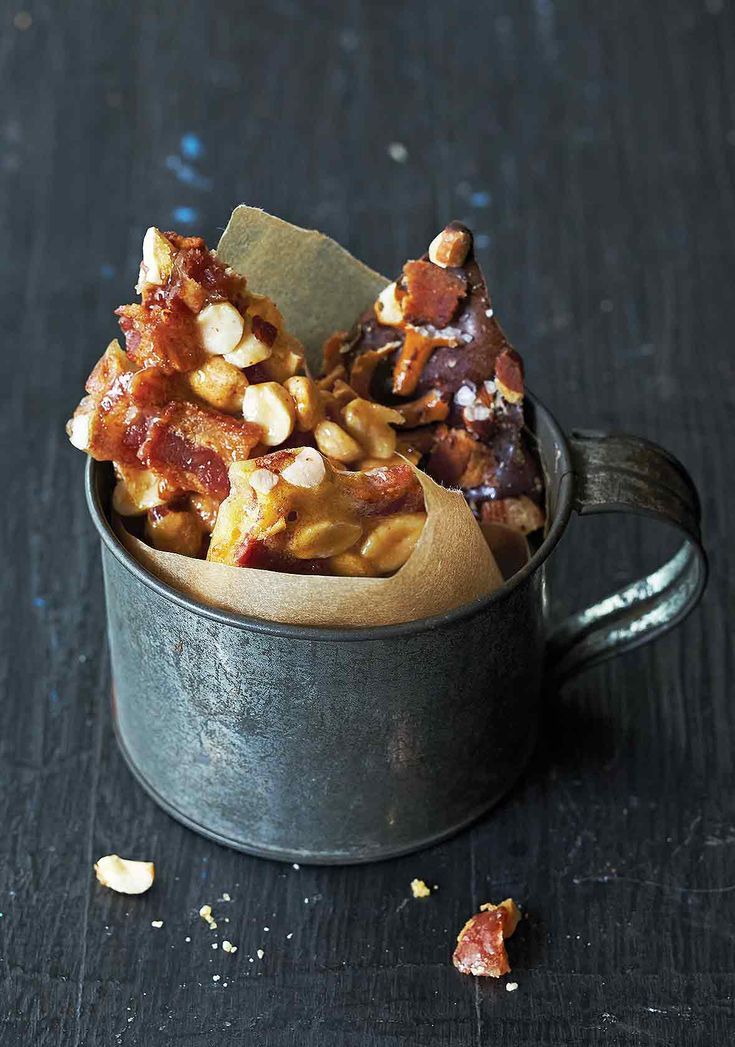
192,447
386,490
429,294
161,334
264,331
480,946
458,460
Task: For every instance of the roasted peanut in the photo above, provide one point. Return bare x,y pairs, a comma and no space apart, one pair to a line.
334,442
351,565
324,538
136,491
271,407
206,509
158,259
388,308
79,426
263,480
369,424
392,540
307,397
306,470
124,875
220,384
220,327
451,246
249,350
175,531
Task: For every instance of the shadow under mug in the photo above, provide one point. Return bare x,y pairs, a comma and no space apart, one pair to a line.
338,745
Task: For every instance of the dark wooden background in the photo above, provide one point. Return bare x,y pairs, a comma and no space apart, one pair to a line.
592,148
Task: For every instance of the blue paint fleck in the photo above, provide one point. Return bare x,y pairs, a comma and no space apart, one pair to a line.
54,697
480,199
186,174
191,146
185,215
482,240
39,601
107,271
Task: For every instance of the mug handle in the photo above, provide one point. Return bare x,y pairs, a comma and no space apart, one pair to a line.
619,473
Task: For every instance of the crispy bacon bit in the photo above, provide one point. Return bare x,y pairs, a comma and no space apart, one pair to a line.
412,358
263,331
162,335
192,447
480,946
458,460
430,295
381,492
509,375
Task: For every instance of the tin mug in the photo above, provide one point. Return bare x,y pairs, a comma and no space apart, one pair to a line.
339,745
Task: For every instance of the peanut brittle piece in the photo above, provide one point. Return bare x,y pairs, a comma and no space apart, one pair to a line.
293,511
432,349
480,948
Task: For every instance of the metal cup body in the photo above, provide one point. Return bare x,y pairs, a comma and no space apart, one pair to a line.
327,745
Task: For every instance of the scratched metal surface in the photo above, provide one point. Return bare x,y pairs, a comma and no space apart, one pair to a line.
592,148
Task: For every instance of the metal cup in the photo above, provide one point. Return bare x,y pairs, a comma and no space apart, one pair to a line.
342,745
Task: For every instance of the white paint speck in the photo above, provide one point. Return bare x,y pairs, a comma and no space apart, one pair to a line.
295,865
260,954
215,977
289,935
156,923
511,986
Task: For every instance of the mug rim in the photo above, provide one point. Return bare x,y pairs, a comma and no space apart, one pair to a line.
317,633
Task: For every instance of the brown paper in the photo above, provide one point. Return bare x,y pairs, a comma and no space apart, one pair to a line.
320,288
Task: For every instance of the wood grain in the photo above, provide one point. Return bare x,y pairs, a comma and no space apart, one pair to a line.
592,147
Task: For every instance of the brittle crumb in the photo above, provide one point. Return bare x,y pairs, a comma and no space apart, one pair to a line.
228,946
511,986
156,923
260,954
206,914
419,889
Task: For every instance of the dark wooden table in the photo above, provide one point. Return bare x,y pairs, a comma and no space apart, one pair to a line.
592,148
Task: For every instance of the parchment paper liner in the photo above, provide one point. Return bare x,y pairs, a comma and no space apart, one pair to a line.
319,287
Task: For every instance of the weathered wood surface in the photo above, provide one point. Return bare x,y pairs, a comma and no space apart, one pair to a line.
592,148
